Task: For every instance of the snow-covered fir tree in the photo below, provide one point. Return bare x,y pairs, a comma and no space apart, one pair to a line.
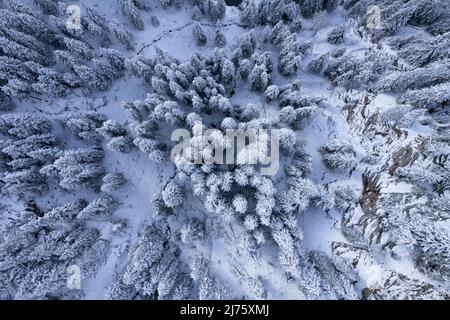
352,96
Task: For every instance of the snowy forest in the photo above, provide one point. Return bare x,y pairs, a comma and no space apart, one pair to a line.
93,206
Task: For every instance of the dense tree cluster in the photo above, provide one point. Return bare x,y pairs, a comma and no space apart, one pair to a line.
37,252
395,14
368,151
213,9
154,270
28,146
78,168
31,47
274,11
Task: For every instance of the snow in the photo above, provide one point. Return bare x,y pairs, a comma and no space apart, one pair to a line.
145,178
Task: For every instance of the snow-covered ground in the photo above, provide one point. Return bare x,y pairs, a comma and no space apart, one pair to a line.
320,229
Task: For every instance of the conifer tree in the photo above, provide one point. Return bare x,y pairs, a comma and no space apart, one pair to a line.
199,34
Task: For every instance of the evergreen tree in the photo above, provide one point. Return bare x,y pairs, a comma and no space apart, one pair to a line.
124,36
240,203
33,151
16,88
155,21
47,6
197,13
24,39
160,209
215,9
112,128
415,79
399,287
199,34
77,168
336,36
330,5
51,83
38,260
92,77
245,68
288,257
6,103
113,182
121,144
23,125
339,155
259,79
249,14
191,231
173,194
310,7
154,267
420,52
79,48
247,44
272,92
84,124
211,288
429,98
27,23
339,282
130,10
97,24
220,38
440,26
288,140
98,208
352,72
316,65
22,181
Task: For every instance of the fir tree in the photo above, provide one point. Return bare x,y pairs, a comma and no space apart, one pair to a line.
23,125
121,144
310,7
130,10
79,48
122,35
316,65
168,112
415,79
336,36
199,34
6,103
98,208
112,128
249,16
220,38
77,168
259,79
47,6
339,155
23,181
173,194
247,44
272,92
155,21
113,182
240,203
430,98
115,58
